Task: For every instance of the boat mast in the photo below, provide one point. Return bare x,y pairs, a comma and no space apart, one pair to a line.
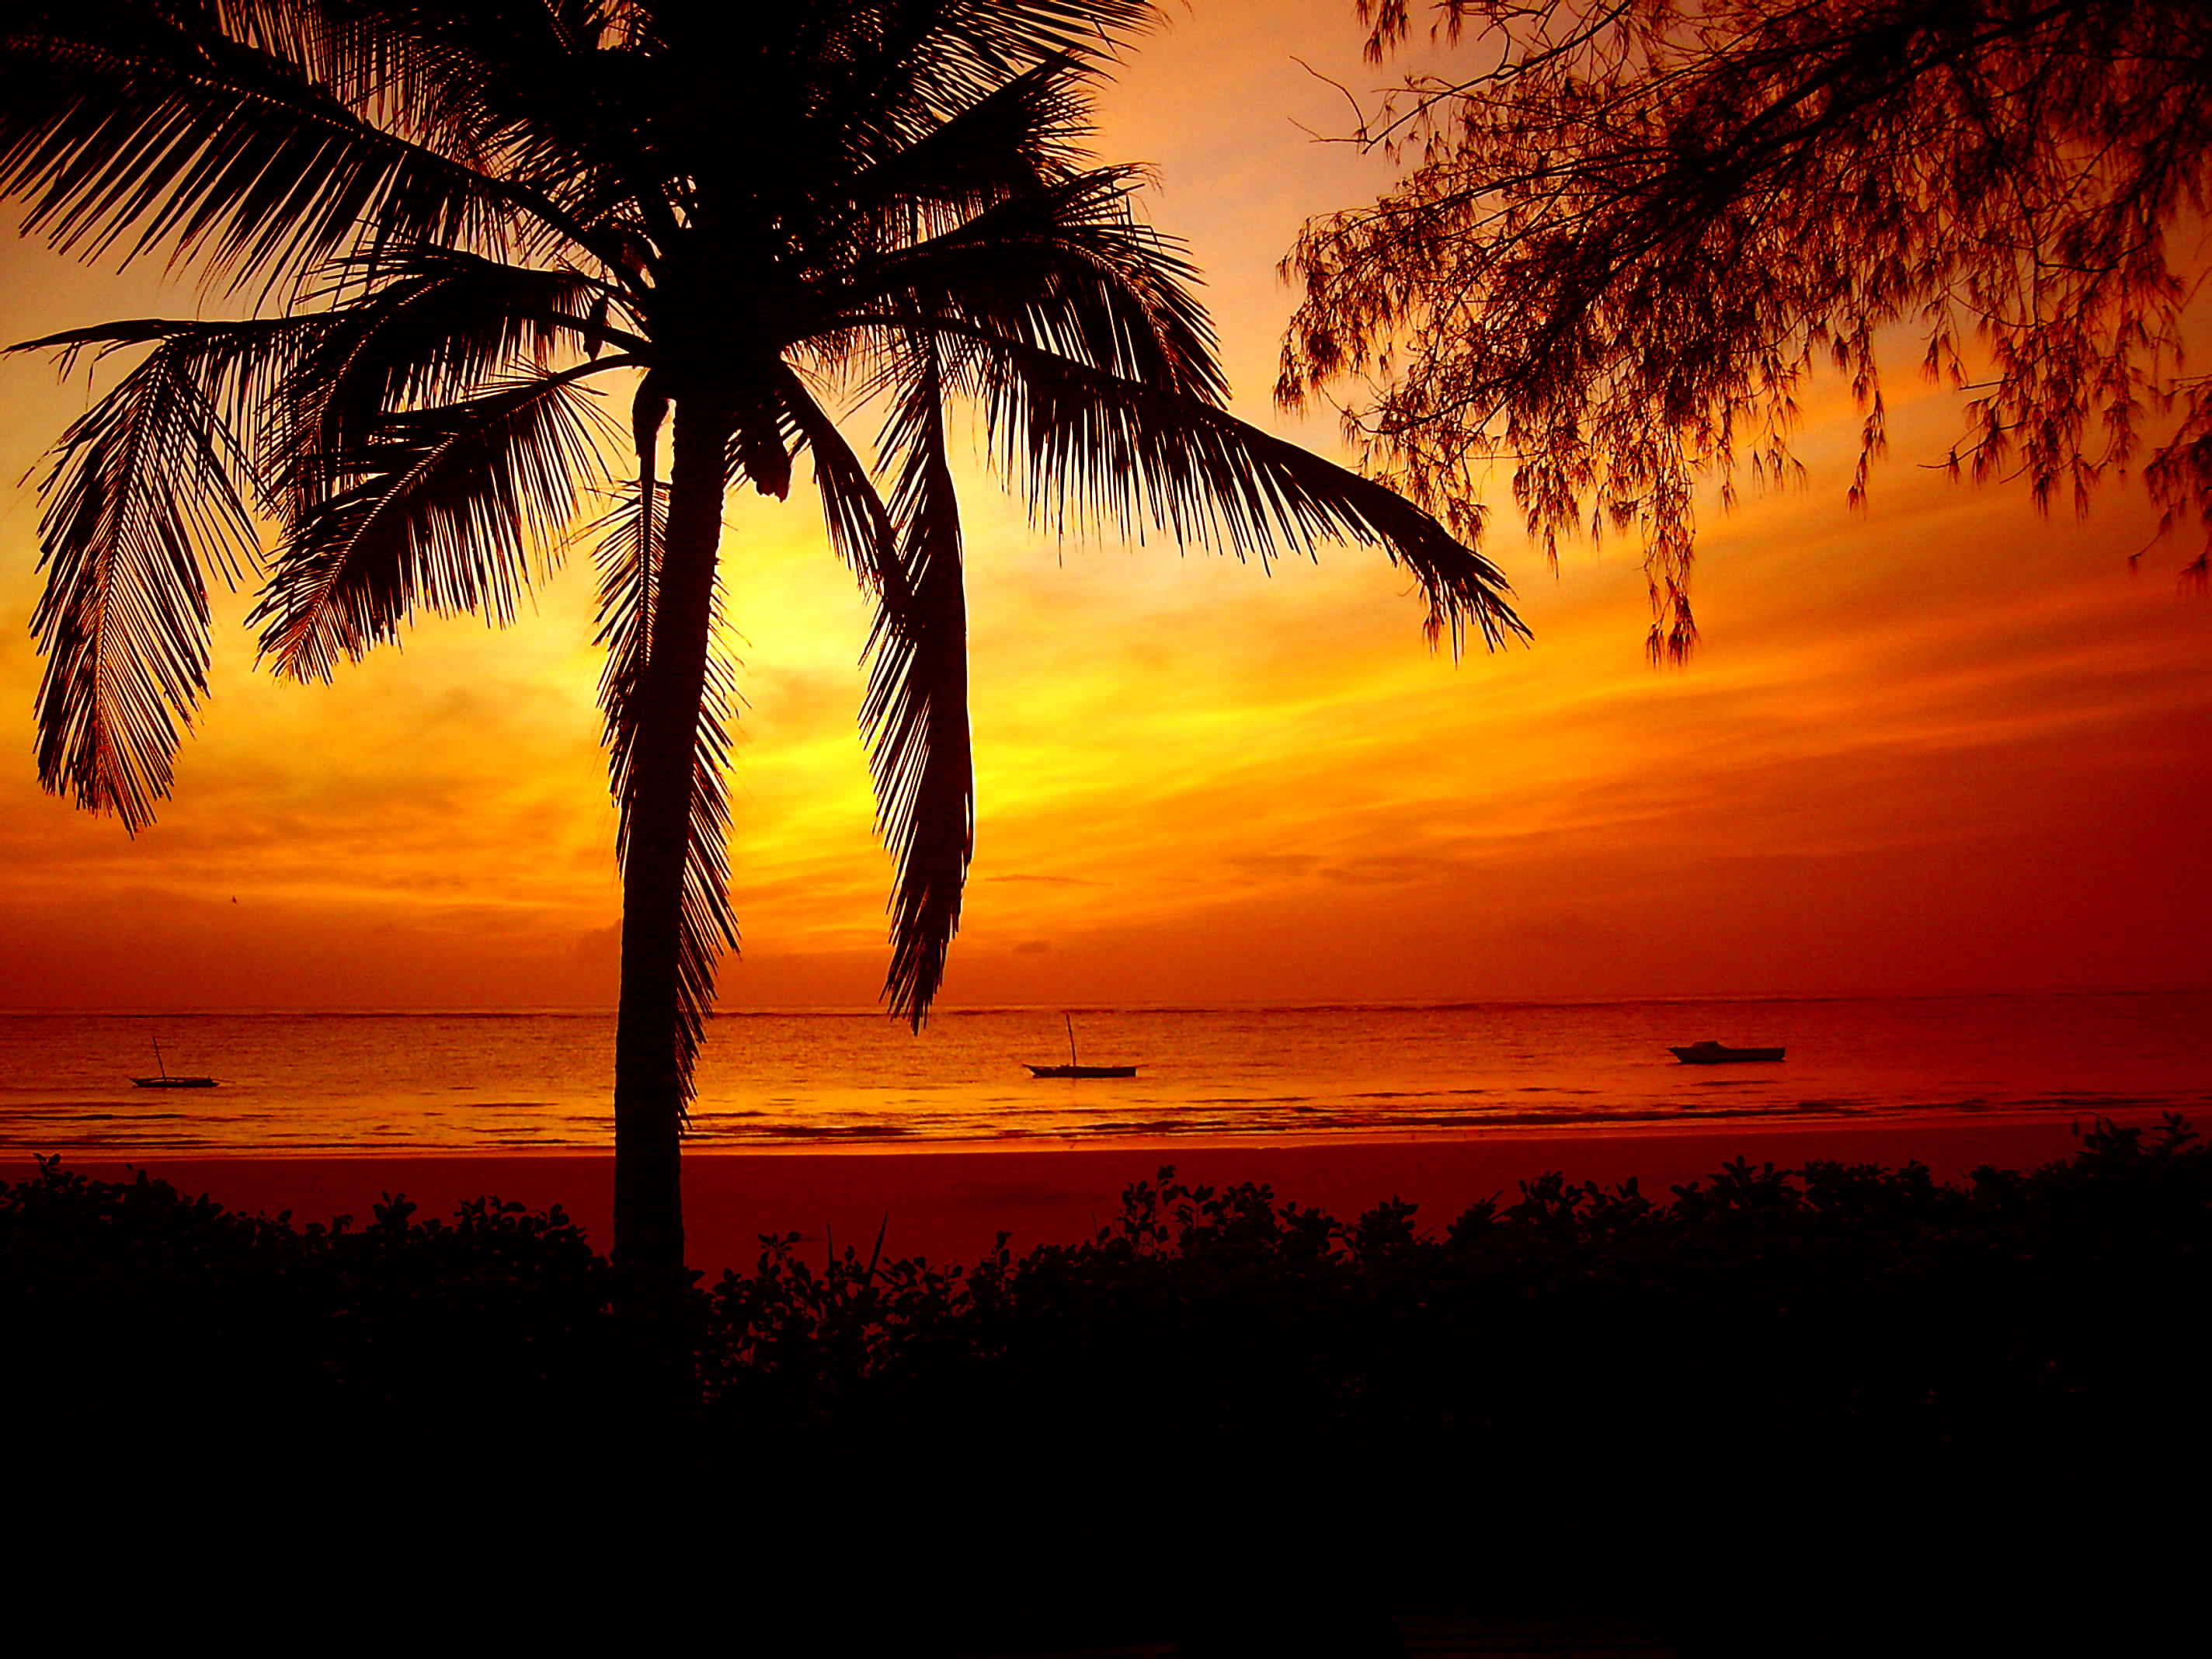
162,1063
1070,1019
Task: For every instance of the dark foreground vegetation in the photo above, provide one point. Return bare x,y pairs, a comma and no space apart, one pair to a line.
1775,1411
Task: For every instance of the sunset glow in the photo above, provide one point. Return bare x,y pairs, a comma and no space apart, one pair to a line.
1942,745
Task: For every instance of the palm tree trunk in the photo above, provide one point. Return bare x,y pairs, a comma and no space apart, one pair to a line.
648,1236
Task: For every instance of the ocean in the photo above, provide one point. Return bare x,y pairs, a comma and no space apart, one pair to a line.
339,1082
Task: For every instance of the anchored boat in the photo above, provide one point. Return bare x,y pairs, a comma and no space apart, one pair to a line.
1073,1070
1719,1053
165,1081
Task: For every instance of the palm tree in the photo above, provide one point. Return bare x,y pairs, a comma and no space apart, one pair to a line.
452,227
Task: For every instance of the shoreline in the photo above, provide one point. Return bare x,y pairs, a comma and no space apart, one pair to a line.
947,1201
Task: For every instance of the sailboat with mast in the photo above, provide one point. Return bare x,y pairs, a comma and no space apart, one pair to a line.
165,1081
1071,1069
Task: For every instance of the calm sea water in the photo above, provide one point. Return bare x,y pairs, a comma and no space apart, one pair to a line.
293,1082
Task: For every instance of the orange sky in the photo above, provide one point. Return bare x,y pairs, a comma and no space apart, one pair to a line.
1941,745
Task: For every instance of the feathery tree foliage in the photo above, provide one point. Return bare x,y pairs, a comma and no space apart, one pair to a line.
456,228
1622,241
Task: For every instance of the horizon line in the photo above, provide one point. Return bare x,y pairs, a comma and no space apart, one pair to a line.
839,1010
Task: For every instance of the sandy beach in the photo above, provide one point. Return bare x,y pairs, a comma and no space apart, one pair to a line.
947,1205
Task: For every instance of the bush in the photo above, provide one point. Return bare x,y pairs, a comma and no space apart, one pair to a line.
1787,1384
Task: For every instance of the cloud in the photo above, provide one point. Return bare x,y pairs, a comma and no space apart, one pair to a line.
1912,733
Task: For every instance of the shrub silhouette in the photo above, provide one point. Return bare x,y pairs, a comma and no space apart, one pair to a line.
1776,1383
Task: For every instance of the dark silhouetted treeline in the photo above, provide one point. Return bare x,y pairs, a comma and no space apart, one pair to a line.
1838,1389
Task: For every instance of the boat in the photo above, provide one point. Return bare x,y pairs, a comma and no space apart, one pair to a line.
1073,1070
165,1081
1719,1053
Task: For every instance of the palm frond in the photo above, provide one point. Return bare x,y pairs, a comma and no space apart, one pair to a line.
452,502
1068,267
551,98
1089,448
707,924
858,525
630,557
431,326
141,500
635,531
841,90
1014,137
916,711
238,365
120,128
948,48
629,581
629,561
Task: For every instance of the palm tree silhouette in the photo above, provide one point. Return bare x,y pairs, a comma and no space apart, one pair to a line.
451,222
